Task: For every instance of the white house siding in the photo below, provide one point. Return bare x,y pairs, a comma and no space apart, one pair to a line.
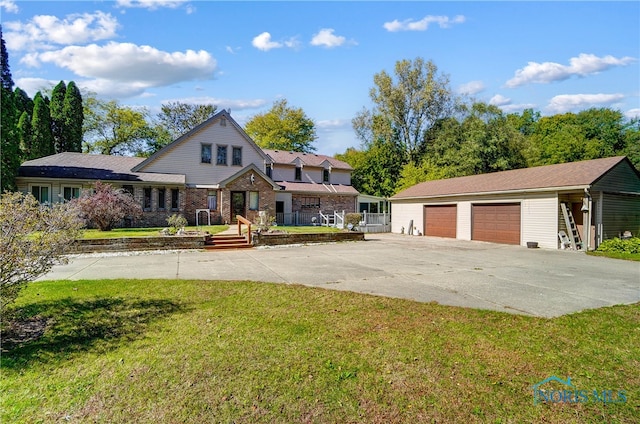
55,187
286,199
184,157
310,174
463,224
403,213
539,220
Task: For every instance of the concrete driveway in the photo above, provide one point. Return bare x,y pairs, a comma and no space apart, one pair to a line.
505,278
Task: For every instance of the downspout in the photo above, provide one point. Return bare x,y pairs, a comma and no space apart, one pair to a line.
586,221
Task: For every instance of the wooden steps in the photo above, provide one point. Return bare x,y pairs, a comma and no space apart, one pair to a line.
227,241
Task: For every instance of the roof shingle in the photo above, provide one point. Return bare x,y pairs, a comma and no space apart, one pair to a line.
93,167
573,174
310,159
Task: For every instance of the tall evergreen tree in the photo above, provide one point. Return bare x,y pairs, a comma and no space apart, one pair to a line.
25,135
23,102
73,118
42,144
7,81
57,117
9,160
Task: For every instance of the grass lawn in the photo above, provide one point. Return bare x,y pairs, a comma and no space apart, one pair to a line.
165,351
617,255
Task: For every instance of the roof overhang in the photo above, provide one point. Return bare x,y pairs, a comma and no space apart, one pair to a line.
495,193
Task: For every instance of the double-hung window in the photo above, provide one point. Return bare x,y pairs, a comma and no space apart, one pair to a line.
253,200
162,198
221,157
236,156
205,153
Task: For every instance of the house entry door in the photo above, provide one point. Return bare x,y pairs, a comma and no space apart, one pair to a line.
238,204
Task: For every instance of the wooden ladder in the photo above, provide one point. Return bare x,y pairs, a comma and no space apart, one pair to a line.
574,235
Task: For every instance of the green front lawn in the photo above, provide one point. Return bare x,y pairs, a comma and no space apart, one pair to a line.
151,351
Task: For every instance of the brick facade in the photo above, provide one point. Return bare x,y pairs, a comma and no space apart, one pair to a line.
244,183
328,203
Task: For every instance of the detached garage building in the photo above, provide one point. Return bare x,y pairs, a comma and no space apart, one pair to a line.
526,205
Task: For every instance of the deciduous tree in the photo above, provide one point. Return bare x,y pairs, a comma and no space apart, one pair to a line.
413,101
111,129
34,238
283,128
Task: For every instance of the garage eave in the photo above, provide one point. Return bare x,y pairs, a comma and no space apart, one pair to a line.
487,193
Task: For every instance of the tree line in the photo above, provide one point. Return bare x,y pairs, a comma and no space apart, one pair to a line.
419,130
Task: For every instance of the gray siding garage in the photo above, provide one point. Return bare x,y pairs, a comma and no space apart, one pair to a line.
526,205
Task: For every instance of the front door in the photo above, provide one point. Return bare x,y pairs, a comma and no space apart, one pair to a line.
238,204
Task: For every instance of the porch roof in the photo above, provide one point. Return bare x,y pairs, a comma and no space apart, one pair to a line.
316,188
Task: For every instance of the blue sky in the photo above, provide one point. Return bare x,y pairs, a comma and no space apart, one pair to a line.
554,57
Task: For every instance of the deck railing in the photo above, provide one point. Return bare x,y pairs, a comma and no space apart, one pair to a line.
242,220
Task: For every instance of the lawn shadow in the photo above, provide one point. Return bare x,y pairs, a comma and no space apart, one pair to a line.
54,330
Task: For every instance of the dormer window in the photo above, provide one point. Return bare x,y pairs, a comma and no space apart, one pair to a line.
298,176
269,170
325,175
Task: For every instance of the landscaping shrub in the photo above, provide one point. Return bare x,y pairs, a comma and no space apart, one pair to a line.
617,245
106,207
353,219
176,222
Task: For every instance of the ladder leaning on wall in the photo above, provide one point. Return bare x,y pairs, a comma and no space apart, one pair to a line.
572,229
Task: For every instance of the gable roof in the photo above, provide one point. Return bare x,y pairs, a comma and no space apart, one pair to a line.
186,136
565,175
93,167
253,168
310,159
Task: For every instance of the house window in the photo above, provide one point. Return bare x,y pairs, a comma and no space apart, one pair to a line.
175,199
41,193
128,189
223,122
146,202
298,173
325,175
205,153
69,193
222,155
236,156
253,200
162,198
212,200
269,170
310,203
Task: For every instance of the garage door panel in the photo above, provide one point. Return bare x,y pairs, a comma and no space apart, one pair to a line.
497,223
440,221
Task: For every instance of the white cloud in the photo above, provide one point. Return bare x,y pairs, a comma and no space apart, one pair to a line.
499,100
334,124
583,65
326,38
633,113
263,42
129,67
471,88
423,24
233,104
568,102
45,31
150,4
9,6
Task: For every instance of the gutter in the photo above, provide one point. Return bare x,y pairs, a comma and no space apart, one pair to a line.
485,193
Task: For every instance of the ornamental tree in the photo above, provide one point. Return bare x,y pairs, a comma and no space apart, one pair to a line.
105,207
34,238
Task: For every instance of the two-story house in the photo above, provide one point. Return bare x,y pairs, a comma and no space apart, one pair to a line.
214,172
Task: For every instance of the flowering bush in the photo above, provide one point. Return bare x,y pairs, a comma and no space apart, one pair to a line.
106,206
176,222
